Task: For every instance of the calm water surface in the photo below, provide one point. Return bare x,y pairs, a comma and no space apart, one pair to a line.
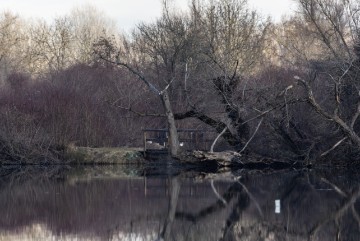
117,203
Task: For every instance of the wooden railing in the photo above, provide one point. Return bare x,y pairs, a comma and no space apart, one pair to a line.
190,139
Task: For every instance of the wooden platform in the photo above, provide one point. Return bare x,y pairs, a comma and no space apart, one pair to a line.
153,154
156,140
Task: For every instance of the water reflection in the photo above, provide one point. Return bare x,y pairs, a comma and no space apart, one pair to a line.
78,204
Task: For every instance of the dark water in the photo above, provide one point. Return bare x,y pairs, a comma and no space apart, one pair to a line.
116,203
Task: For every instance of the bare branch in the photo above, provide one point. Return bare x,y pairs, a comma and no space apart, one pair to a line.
216,193
355,214
308,9
166,87
334,146
335,25
216,139
252,198
356,116
311,98
340,122
336,188
136,73
256,130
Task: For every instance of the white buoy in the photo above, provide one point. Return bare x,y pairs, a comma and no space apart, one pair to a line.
277,206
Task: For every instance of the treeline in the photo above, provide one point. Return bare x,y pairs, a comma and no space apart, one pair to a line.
288,90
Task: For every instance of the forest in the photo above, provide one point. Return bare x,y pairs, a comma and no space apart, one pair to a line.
288,90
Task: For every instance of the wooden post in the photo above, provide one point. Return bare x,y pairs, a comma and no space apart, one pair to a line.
144,141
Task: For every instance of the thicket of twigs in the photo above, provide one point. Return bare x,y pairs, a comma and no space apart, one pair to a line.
288,90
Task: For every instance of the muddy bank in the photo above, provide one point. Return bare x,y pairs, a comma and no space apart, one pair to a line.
104,155
195,159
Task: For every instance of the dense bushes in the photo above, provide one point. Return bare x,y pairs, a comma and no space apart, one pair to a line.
79,105
94,106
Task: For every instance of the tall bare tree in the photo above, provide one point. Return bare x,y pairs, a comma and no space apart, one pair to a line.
335,25
155,53
228,48
51,44
88,24
11,39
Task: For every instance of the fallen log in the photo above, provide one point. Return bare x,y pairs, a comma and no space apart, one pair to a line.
235,159
225,158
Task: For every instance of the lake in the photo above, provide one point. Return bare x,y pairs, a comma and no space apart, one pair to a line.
137,203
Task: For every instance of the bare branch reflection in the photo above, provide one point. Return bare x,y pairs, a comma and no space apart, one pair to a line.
315,205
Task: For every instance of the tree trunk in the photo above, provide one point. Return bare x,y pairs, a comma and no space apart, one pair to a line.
348,130
173,134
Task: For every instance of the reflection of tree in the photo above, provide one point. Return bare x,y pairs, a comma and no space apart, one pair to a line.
313,213
313,207
235,192
174,197
335,216
242,202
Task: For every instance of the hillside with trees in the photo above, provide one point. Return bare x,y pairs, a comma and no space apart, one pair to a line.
288,90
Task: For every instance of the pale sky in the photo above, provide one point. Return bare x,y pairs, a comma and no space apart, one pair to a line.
126,13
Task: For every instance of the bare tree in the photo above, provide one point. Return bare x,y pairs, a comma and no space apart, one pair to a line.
334,24
330,22
105,49
11,39
213,48
228,48
88,24
51,44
